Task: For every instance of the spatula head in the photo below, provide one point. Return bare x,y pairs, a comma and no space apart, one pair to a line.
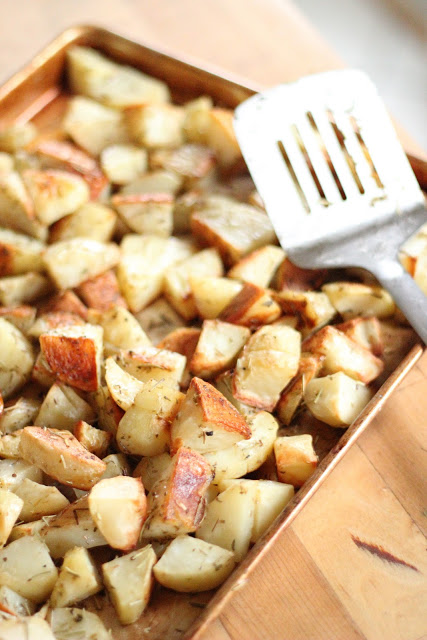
325,159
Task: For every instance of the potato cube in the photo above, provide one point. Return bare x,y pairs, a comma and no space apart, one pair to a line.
295,458
10,508
156,126
92,220
218,348
293,278
224,384
150,363
207,421
144,430
39,500
72,623
102,292
251,307
96,441
28,628
54,320
71,262
19,253
14,472
26,567
176,503
16,207
235,229
220,137
158,320
197,117
191,161
146,213
293,393
9,445
340,353
118,507
74,354
150,470
65,301
62,408
336,399
166,182
78,579
122,386
272,498
26,287
353,299
22,317
192,565
123,163
258,267
117,465
366,332
29,528
61,456
312,308
16,360
212,295
184,341
121,329
269,361
129,581
11,602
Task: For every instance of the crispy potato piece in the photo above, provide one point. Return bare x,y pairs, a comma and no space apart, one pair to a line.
184,341
11,602
123,163
146,213
165,182
336,399
177,287
129,581
66,301
118,507
74,354
212,295
27,287
184,205
353,299
73,527
246,455
42,374
269,361
117,465
109,413
93,126
10,508
292,395
55,193
296,459
77,580
224,384
54,320
234,228
192,565
340,353
122,386
9,445
144,429
197,116
251,307
220,137
229,519
26,567
61,456
176,503
92,220
150,363
155,126
191,161
293,278
218,348
312,308
22,317
76,623
16,136
259,266
71,262
158,320
150,470
39,500
96,441
16,359
207,421
29,528
14,472
19,253
121,329
366,332
16,207
28,628
19,413
62,408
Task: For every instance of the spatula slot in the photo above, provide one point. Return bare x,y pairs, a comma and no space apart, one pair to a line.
366,153
293,175
325,154
341,140
308,162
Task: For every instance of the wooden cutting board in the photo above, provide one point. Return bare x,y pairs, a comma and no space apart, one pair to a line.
353,563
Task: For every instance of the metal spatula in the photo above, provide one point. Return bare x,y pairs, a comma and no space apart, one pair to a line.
334,179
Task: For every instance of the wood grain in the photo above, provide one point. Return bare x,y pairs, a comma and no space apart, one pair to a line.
323,578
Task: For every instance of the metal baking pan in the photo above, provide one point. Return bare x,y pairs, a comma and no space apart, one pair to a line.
39,93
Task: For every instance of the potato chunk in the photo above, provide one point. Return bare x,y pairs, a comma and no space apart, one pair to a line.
251,307
123,163
60,455
102,292
176,503
149,363
28,628
27,568
353,299
78,579
23,288
192,565
158,320
71,262
269,361
16,208
74,355
295,459
312,308
121,329
14,472
62,408
146,213
11,602
94,440
258,267
17,136
92,220
39,500
122,386
293,393
207,421
16,359
219,136
336,399
366,332
129,581
155,126
212,295
10,508
19,253
119,508
218,348
73,624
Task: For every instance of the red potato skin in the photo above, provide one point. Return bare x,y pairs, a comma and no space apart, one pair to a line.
102,292
65,301
376,341
183,340
22,311
217,409
73,360
142,198
291,277
57,319
6,260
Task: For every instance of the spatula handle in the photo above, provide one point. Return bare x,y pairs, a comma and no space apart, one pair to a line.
406,293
